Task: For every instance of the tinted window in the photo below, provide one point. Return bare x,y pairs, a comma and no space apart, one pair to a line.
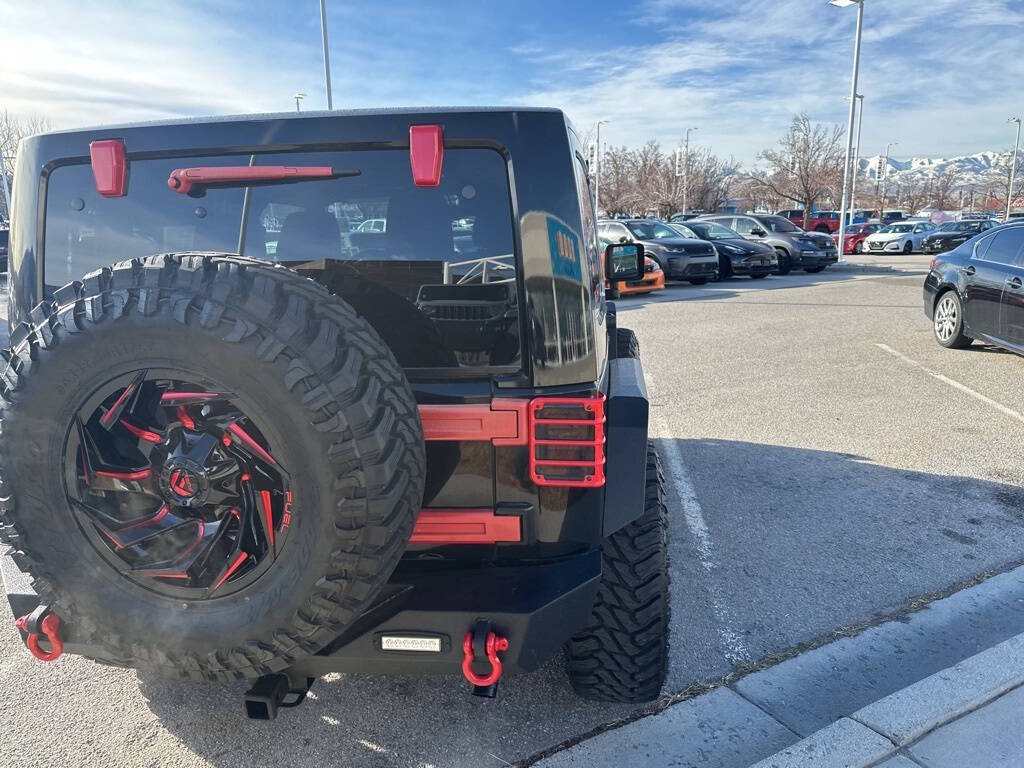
745,226
433,269
777,224
685,231
1004,247
713,231
643,230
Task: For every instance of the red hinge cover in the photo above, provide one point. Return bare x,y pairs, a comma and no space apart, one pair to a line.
426,154
109,167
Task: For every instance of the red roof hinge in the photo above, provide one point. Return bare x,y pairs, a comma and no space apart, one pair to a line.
426,154
109,167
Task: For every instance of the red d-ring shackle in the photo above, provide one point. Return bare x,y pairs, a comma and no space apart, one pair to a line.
494,646
49,625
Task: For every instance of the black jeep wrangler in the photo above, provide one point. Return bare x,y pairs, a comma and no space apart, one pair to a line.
244,437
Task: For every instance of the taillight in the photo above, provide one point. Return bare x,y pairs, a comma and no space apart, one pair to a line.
567,441
932,265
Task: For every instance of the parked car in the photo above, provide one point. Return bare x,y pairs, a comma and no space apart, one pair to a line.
817,221
652,279
951,234
681,258
795,248
234,469
888,217
976,291
373,225
4,235
736,256
853,239
900,237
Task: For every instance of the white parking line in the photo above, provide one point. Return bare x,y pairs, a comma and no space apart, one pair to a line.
952,382
732,642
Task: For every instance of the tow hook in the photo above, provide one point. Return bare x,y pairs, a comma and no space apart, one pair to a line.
482,643
41,621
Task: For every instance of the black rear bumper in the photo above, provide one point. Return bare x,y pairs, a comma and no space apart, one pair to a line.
537,607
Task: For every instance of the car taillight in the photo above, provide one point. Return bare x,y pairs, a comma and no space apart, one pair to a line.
567,436
934,259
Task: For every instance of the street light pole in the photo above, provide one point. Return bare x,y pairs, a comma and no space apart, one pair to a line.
327,60
1013,167
686,167
298,96
856,157
597,168
849,122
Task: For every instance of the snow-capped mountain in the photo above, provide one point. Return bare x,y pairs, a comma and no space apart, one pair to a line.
980,168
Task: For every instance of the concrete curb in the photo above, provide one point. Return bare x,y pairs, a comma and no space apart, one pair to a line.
879,730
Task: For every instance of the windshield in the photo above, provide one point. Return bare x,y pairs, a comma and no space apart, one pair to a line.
684,230
897,228
651,230
854,229
778,224
432,269
711,231
960,226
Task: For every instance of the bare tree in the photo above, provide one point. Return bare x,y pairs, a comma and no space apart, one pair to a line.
618,187
12,130
711,180
914,193
807,166
944,187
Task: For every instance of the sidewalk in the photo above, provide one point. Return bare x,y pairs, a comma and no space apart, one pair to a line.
883,262
858,702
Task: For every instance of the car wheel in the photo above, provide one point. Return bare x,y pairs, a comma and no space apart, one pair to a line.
948,322
908,248
858,247
231,466
698,280
785,262
724,268
621,655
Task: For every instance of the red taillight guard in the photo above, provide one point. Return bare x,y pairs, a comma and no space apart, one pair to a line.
567,438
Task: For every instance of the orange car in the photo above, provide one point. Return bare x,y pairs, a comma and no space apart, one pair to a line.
653,279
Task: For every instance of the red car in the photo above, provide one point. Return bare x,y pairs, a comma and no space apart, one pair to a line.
819,221
853,240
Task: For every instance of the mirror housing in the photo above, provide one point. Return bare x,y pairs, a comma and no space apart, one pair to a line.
757,232
623,261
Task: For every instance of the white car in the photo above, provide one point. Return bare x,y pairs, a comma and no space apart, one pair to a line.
901,237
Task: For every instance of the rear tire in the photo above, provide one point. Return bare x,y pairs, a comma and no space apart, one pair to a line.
626,343
316,380
948,322
621,655
908,248
785,262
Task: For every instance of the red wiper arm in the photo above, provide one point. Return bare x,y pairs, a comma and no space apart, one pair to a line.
185,180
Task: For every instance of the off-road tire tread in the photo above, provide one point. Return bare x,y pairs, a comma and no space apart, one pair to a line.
621,655
626,344
348,381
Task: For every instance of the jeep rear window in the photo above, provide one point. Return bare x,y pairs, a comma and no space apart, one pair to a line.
433,269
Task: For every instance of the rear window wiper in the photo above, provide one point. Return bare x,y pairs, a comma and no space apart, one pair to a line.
194,181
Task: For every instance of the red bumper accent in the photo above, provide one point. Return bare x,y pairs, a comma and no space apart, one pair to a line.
502,421
50,625
465,526
495,645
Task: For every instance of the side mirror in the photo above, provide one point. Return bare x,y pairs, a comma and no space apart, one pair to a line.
623,239
757,232
623,261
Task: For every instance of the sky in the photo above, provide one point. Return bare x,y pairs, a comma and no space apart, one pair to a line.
939,76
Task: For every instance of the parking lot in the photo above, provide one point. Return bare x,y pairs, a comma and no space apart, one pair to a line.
828,464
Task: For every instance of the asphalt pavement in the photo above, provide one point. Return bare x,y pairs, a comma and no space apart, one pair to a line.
829,467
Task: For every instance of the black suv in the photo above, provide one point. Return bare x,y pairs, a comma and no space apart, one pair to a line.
680,258
243,441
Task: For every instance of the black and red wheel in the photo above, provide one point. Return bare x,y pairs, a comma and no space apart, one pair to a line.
210,466
175,486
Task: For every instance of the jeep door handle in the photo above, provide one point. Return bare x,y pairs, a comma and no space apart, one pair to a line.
1015,283
968,270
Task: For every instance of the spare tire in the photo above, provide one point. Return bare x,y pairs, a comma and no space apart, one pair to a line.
210,465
